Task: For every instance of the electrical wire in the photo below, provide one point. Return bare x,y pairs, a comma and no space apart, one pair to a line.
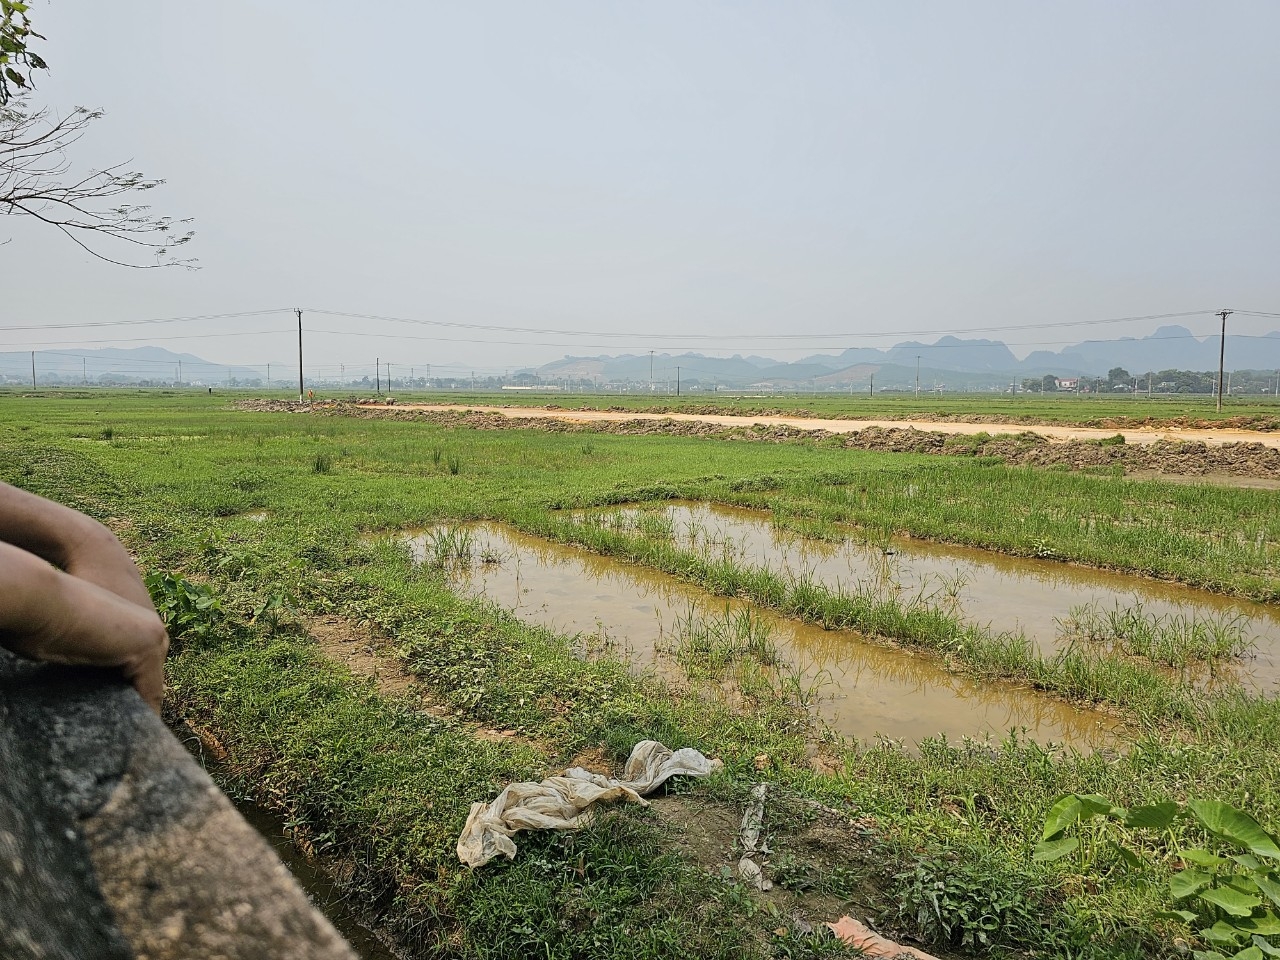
125,323
752,337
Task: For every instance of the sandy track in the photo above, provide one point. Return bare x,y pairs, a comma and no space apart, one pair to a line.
1050,431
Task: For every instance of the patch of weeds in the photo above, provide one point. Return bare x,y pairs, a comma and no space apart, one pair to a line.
449,547
1174,640
972,900
756,484
706,646
247,481
613,889
190,611
271,612
322,463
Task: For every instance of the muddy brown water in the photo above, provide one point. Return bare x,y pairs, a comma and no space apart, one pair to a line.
868,690
983,587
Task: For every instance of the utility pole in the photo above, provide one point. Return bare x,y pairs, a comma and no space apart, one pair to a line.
84,371
677,381
268,376
388,376
917,375
872,391
1148,384
651,371
33,369
342,374
179,373
1222,353
377,374
302,393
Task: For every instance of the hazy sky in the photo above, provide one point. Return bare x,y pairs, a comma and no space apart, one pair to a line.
660,170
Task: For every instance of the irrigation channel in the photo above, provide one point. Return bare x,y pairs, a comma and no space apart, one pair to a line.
319,887
865,689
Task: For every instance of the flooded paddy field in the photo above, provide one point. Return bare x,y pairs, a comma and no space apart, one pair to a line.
263,524
1040,598
861,689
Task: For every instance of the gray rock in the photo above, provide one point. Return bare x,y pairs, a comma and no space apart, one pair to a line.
114,844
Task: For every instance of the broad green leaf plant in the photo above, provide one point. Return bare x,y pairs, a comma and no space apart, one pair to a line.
1229,888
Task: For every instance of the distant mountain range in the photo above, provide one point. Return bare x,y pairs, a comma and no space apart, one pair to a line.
115,364
958,364
961,364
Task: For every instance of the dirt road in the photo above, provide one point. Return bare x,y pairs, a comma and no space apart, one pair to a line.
1050,431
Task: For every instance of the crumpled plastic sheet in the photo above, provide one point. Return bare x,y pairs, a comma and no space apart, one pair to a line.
566,802
752,826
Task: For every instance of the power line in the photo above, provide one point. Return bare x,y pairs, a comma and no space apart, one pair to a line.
27,344
741,337
932,346
125,323
189,336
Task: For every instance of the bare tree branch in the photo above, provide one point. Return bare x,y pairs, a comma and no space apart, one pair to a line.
33,172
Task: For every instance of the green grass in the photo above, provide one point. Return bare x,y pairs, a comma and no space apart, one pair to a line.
1180,641
383,786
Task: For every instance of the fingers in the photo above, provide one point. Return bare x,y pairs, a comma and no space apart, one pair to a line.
50,615
70,540
99,558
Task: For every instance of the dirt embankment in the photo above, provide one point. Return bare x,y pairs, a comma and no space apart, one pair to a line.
1261,423
1173,457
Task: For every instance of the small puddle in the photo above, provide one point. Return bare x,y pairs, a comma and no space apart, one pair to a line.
981,586
320,890
868,690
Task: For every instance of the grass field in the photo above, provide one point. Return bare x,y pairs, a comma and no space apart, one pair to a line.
256,525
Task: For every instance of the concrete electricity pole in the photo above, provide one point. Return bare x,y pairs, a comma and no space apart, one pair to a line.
917,375
1222,353
302,393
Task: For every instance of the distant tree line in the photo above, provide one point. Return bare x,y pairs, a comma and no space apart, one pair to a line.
1120,380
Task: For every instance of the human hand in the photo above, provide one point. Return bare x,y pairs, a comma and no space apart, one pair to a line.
71,541
48,614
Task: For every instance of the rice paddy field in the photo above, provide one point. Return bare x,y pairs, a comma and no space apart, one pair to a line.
927,659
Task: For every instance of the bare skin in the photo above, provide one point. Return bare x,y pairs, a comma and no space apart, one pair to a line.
71,594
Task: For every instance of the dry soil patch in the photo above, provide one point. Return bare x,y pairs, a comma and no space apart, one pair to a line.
1214,437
